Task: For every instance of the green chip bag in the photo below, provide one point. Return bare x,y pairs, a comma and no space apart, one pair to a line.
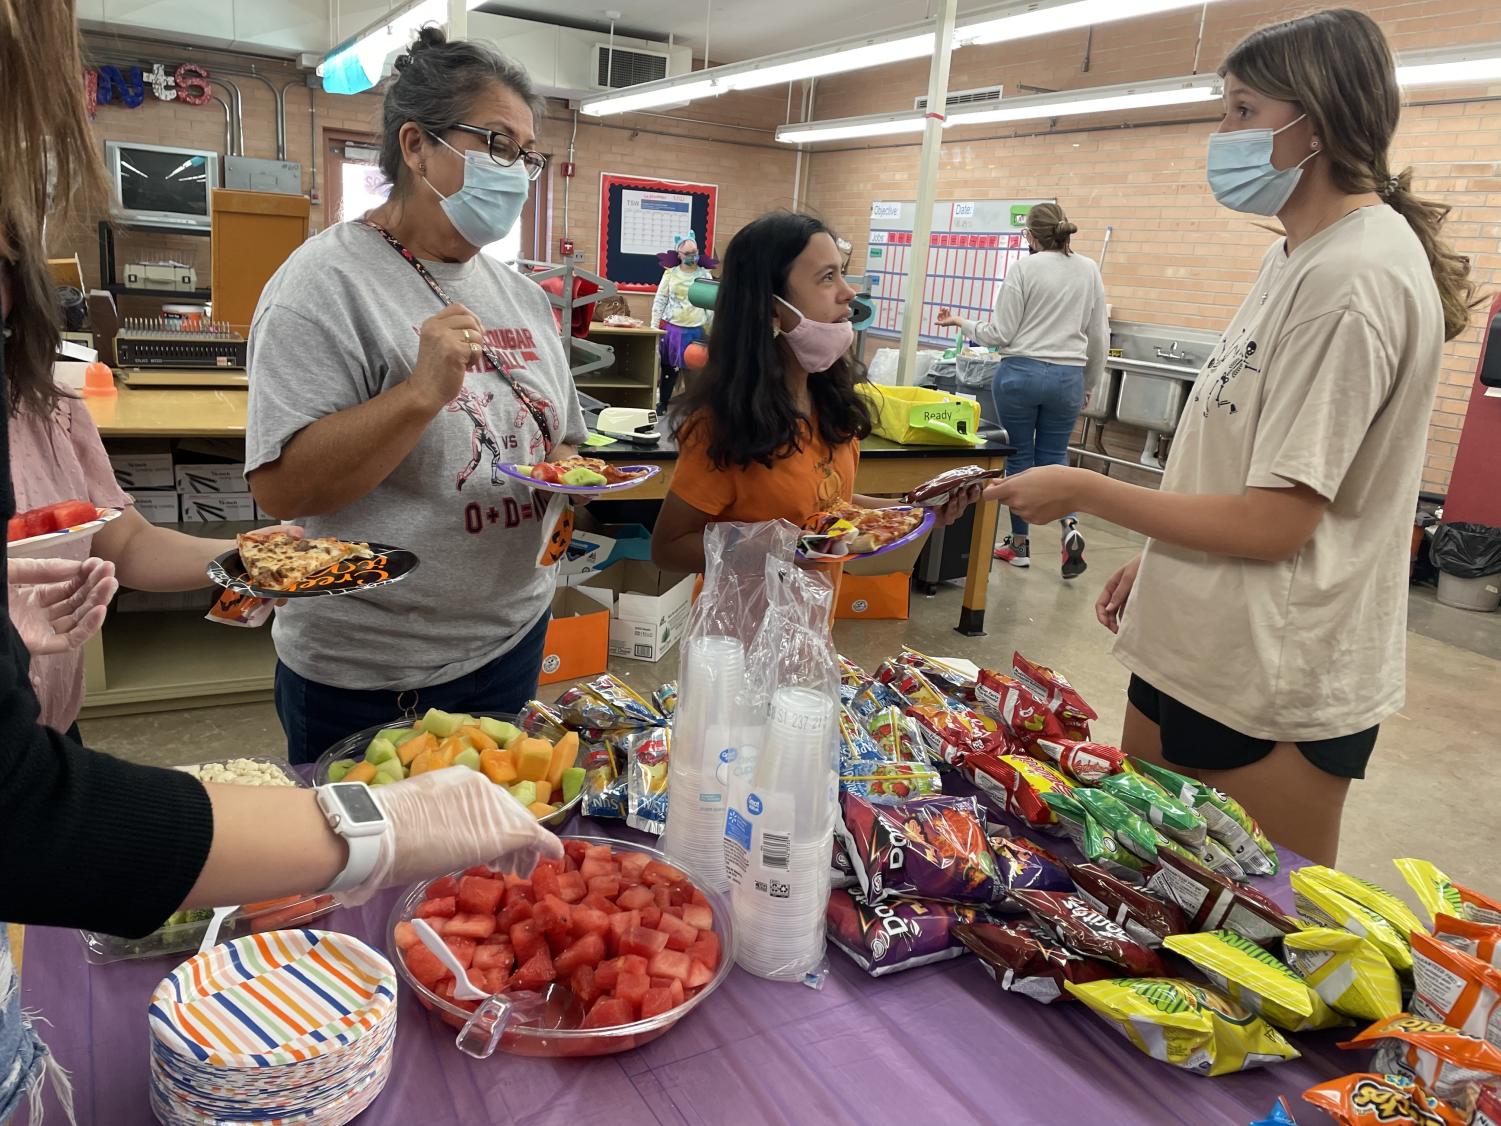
1247,974
1184,1024
1167,813
1226,819
1097,843
1323,906
1347,971
1115,815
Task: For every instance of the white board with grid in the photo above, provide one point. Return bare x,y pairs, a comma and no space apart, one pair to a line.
973,244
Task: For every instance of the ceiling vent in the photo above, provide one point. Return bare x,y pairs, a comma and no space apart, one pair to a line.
623,66
982,96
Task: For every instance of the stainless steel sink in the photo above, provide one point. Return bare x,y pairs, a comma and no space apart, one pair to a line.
1157,365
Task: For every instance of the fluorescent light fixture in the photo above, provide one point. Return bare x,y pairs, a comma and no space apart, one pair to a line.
358,63
1450,67
1043,17
1100,99
842,129
772,70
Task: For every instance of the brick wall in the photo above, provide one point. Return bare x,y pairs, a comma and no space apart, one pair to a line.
1176,256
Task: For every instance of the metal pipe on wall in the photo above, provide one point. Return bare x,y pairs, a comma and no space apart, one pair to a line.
312,128
238,146
281,115
228,130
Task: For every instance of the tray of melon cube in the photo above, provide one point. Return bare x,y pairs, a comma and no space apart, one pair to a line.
541,775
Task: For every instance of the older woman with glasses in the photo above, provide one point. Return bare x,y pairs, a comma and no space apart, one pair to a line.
393,370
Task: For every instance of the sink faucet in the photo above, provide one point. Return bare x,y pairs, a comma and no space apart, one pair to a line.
1172,353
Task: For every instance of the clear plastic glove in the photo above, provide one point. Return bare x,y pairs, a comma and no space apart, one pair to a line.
450,819
58,604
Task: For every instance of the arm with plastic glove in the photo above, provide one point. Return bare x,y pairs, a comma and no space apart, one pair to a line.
58,604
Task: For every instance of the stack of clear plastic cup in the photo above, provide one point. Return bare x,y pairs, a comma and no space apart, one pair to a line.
705,732
779,917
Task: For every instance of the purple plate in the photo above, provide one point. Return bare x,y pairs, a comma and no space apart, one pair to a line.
930,517
647,471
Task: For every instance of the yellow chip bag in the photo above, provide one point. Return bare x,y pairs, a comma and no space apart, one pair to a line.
1323,906
1247,974
1441,895
1184,1024
1347,971
1371,896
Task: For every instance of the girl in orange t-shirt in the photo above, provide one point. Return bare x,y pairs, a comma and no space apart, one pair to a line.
771,428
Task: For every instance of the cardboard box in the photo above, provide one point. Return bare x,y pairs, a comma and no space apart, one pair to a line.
592,551
141,463
210,477
875,597
210,507
176,276
648,608
158,506
578,637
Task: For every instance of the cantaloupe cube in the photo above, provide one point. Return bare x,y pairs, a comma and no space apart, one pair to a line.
497,767
544,791
541,809
409,750
427,760
564,753
534,759
516,740
363,772
478,739
449,749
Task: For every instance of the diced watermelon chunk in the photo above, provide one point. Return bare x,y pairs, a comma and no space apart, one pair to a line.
587,951
545,880
658,873
406,935
425,966
607,974
495,957
676,911
631,988
520,893
620,924
651,916
662,893
706,949
632,964
584,986
514,913
633,899
593,866
699,898
480,896
482,871
552,914
599,903
679,895
679,934
526,939
444,908
536,972
699,975
655,1002
571,887
632,864
671,963
599,852
699,915
640,940
463,949
443,887
586,920
480,979
496,980
477,926
445,993
608,1012
607,886
575,850
679,995
662,982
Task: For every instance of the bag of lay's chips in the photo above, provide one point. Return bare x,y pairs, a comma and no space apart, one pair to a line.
1347,971
1057,694
1323,906
1478,940
1444,1061
1368,895
1227,820
1452,988
1184,1024
1163,811
1438,893
1097,843
1246,973
1368,1099
1009,702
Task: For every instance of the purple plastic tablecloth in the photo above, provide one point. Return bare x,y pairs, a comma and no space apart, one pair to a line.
939,1044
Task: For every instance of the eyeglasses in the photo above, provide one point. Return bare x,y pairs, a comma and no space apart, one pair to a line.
505,152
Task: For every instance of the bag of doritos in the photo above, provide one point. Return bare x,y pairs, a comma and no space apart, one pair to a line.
1347,971
1024,956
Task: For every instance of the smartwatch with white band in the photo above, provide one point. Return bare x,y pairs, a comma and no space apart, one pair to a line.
352,812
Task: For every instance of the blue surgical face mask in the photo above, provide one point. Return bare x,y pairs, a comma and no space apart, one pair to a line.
688,259
488,204
1241,174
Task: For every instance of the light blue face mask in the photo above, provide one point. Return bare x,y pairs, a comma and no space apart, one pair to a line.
1241,174
488,204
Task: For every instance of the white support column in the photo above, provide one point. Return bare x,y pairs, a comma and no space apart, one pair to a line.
927,190
458,19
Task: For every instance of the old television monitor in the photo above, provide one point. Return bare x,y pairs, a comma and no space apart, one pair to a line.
161,186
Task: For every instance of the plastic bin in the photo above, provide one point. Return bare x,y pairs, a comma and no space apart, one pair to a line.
1482,594
919,417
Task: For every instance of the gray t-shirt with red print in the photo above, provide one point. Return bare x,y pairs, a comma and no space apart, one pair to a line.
337,325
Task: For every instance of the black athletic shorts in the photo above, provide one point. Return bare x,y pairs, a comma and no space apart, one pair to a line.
1192,739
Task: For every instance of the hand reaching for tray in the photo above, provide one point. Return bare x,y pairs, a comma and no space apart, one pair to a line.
58,604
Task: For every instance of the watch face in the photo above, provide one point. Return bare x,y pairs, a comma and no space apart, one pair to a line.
359,807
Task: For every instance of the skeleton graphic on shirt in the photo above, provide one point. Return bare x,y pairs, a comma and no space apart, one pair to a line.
481,438
1229,360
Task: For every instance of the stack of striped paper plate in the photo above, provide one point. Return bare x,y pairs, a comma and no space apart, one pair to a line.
284,1027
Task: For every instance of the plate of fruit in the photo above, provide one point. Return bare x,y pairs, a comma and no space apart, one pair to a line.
581,476
38,530
631,938
538,773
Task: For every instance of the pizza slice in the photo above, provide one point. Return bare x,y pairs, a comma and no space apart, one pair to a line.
274,560
849,529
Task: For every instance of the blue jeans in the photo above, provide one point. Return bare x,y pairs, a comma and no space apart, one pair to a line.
316,716
1038,403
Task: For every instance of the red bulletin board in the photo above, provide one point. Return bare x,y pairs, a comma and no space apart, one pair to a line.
636,213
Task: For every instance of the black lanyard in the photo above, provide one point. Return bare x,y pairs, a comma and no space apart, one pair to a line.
491,356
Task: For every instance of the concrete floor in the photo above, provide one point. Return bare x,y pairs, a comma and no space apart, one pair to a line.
1433,789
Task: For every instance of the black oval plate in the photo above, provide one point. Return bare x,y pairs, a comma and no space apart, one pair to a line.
388,565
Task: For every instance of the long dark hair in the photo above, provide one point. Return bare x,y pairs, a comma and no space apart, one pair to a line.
1336,66
741,394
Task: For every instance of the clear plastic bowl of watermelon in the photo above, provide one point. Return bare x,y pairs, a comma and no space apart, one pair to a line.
633,981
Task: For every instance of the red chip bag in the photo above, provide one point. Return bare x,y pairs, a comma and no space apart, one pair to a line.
1367,1099
1087,762
1008,700
948,734
1016,784
1478,940
1057,694
1084,930
1025,957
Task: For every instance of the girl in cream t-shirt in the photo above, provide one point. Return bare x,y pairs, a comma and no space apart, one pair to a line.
1266,623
